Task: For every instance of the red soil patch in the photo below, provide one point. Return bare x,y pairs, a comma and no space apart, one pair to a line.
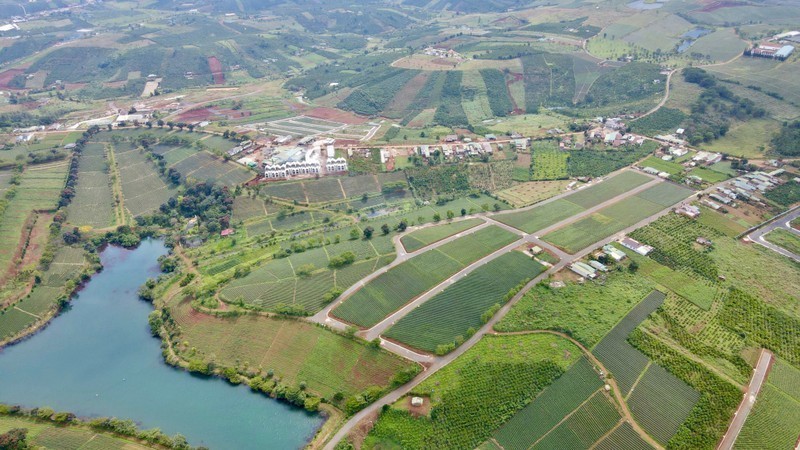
115,84
216,70
336,115
7,76
234,114
196,115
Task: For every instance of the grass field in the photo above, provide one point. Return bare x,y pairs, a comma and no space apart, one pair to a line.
475,394
93,204
771,76
403,283
297,351
427,236
48,435
786,239
664,166
449,315
586,311
616,217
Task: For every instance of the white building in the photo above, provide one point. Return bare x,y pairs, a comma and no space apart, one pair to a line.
336,165
290,169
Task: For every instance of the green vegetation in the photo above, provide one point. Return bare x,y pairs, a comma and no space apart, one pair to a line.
497,92
616,217
427,236
403,283
787,141
452,315
450,113
623,437
660,403
774,419
584,311
784,238
549,163
539,417
476,393
585,426
786,194
665,120
93,204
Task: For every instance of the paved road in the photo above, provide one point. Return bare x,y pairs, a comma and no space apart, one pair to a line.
757,236
433,363
750,395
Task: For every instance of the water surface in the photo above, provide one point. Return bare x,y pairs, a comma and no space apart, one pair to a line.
99,359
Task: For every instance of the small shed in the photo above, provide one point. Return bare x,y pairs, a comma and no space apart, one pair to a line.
417,401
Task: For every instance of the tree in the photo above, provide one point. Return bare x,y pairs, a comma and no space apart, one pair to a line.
14,439
368,232
171,125
385,229
633,267
353,234
437,217
463,212
402,225
160,123
375,343
450,214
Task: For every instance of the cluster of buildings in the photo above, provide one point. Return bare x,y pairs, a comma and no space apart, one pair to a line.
456,151
744,188
443,52
612,132
310,157
770,50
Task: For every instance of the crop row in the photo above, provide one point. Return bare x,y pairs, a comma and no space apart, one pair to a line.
450,315
584,427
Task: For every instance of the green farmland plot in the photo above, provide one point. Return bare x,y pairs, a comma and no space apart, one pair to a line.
403,283
540,416
660,403
475,394
616,217
625,362
142,187
93,203
584,427
624,437
550,213
774,421
427,236
452,312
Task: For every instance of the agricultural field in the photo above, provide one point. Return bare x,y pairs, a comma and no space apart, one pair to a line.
592,421
549,163
422,238
546,215
296,351
142,187
67,264
93,204
586,311
624,361
775,418
528,193
205,167
450,316
403,283
539,418
495,378
50,435
303,279
39,189
616,217
336,189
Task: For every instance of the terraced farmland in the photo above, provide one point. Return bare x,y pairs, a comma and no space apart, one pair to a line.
93,204
404,282
203,166
453,312
427,236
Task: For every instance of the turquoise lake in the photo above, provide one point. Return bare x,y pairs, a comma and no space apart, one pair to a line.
99,359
